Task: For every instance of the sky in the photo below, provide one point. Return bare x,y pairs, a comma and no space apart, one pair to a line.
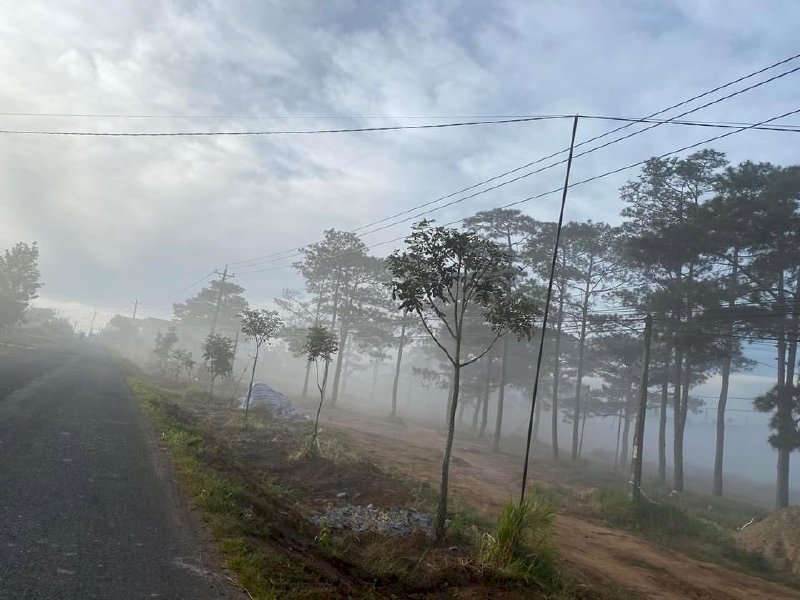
138,218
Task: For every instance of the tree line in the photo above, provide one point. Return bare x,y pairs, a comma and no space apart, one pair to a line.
708,248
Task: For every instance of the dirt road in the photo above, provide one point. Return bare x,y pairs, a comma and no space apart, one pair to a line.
591,552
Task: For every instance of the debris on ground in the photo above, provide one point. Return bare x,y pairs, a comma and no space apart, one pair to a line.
355,518
278,405
777,537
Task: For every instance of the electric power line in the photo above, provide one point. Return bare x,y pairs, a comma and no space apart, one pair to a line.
554,190
655,123
272,132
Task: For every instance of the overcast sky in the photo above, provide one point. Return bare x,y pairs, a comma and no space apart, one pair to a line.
125,218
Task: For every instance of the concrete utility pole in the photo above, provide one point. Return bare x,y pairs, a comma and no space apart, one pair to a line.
135,306
220,296
91,328
638,434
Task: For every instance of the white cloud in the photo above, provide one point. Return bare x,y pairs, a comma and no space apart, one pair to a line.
124,218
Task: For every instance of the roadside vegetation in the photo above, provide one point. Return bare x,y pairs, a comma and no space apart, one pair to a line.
259,495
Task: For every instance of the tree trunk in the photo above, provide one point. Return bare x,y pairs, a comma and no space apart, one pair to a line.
345,371
626,431
308,363
321,388
720,446
449,400
487,385
461,413
662,422
484,417
556,372
537,419
677,444
787,359
211,389
680,426
337,374
441,513
583,421
250,387
305,380
396,381
619,435
579,376
726,375
374,380
476,413
782,489
501,396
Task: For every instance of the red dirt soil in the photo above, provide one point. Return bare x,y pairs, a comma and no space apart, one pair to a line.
592,554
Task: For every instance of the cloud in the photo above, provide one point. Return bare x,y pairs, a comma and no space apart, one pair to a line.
119,219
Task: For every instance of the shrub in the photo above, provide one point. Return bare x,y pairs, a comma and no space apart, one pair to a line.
655,519
519,545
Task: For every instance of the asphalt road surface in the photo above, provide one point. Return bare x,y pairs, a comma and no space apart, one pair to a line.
88,505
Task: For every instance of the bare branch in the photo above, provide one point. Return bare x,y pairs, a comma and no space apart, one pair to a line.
433,337
482,354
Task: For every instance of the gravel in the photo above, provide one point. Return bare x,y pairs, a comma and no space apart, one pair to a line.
400,522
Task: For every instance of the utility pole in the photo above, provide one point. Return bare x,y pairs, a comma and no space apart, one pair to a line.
220,296
236,341
135,306
91,328
638,434
546,310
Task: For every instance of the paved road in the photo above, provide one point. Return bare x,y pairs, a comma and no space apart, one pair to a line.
87,508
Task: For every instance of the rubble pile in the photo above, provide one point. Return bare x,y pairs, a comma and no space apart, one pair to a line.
368,518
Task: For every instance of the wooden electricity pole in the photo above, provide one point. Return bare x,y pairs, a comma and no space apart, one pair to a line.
135,306
546,310
638,434
220,296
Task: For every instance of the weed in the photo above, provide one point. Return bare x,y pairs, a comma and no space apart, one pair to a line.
324,537
519,545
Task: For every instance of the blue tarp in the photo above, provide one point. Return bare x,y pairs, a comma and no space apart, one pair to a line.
278,405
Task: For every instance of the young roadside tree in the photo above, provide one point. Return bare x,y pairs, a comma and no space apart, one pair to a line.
218,354
259,325
182,359
320,345
441,274
164,344
19,281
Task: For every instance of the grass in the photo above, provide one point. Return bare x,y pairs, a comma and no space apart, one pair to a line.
684,529
226,507
252,492
520,544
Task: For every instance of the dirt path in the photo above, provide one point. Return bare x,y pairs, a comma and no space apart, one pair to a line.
592,553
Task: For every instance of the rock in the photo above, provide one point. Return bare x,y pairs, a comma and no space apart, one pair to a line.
341,495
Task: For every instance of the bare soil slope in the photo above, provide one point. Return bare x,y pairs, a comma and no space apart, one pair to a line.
777,537
591,552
